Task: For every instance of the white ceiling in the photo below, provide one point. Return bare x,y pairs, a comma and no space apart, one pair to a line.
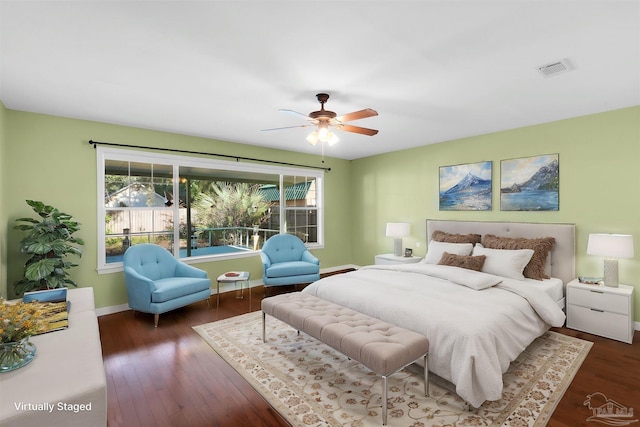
434,70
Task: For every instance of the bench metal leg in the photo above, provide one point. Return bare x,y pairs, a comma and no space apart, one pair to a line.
384,400
217,297
264,329
426,376
385,390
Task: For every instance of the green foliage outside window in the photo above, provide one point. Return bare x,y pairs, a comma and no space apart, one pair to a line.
230,204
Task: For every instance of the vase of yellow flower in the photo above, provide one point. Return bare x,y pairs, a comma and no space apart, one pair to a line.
18,322
14,355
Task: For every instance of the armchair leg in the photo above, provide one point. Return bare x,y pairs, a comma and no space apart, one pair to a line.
156,318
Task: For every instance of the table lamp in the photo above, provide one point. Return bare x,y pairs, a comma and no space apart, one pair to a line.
398,230
612,247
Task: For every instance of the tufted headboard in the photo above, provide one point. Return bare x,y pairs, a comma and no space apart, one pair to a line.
563,255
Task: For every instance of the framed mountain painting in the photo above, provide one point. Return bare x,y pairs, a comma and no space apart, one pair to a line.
530,183
466,187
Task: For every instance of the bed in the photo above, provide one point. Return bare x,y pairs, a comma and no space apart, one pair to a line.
477,322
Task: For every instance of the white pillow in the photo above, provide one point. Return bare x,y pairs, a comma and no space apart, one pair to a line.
436,249
504,262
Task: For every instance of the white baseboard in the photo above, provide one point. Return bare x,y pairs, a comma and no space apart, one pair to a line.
224,287
112,309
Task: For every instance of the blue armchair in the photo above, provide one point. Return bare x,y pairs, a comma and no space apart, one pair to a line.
157,282
286,261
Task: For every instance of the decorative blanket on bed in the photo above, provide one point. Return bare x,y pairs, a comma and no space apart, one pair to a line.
476,323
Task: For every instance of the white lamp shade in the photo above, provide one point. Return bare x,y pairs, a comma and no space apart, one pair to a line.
398,229
313,138
333,139
611,245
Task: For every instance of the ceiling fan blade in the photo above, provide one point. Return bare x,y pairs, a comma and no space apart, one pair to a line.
288,127
357,115
295,113
358,129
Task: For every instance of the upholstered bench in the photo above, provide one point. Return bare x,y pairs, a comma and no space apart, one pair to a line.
65,385
382,347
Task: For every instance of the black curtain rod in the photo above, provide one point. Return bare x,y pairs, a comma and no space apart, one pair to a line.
238,158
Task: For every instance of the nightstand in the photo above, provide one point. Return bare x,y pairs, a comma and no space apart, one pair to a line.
388,259
601,310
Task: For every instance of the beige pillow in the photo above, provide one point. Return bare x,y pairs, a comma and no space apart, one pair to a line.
504,262
463,261
541,247
441,236
436,249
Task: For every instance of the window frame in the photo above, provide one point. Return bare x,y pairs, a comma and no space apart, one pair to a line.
176,161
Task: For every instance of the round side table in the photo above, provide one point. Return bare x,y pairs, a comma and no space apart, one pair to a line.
234,277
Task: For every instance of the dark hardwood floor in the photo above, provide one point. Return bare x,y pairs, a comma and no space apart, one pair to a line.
168,376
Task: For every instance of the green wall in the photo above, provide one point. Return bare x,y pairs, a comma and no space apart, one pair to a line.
49,158
599,156
3,216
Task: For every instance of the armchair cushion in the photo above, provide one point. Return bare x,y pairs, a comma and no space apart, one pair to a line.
176,287
292,268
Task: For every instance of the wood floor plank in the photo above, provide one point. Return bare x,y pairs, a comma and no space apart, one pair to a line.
168,376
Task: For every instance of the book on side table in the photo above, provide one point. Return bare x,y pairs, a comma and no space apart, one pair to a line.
54,306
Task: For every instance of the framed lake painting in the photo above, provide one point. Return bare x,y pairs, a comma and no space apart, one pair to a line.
530,183
466,187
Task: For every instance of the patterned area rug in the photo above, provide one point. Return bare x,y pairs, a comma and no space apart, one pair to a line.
311,384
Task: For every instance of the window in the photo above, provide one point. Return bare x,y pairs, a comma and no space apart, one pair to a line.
300,206
201,209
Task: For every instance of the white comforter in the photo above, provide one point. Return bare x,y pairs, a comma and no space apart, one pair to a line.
474,334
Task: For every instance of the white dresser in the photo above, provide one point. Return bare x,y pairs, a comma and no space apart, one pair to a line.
601,310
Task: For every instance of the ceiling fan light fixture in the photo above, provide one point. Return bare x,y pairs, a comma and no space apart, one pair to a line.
312,138
325,119
323,133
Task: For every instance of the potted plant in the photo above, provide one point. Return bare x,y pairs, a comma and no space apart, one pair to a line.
48,241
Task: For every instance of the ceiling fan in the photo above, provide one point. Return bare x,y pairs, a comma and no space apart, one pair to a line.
325,119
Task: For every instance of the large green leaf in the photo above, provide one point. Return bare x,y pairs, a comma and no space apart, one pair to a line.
72,250
39,246
41,209
55,282
60,247
31,220
41,269
37,206
25,285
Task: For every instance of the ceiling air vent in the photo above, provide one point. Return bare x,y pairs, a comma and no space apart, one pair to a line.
555,68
